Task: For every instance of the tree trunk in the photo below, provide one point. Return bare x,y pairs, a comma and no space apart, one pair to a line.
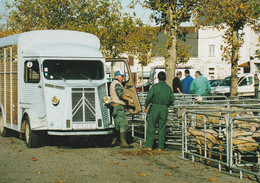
142,80
234,64
172,59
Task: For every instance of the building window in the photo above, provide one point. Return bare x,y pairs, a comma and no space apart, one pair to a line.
211,50
211,72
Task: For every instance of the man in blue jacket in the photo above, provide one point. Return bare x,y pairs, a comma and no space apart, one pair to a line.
186,82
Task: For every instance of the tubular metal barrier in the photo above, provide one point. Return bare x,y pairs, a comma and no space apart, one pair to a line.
214,129
244,137
202,137
230,138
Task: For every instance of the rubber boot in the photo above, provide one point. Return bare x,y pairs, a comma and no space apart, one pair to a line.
124,143
115,138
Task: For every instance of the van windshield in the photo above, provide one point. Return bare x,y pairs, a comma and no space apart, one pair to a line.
73,69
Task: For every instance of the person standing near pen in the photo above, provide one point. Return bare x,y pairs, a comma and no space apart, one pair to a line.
160,96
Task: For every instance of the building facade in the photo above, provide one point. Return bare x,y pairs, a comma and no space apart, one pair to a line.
206,54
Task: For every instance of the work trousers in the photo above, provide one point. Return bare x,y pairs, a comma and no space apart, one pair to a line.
256,93
157,115
119,115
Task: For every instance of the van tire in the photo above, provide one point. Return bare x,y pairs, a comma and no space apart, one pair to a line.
31,137
3,131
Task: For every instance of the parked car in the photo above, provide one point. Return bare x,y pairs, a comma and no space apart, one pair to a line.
145,86
245,85
215,82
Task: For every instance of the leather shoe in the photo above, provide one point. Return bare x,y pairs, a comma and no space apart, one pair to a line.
146,149
160,150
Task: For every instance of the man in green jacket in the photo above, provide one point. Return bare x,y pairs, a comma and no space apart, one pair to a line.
161,97
200,85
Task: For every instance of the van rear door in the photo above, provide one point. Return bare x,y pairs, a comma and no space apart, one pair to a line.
122,65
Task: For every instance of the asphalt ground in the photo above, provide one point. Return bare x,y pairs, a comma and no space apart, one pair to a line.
62,159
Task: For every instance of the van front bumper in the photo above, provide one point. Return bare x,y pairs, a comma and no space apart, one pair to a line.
71,133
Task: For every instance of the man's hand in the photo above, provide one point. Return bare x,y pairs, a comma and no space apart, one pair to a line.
145,109
128,95
131,100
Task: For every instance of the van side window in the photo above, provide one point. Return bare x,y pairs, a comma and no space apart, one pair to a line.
31,71
250,80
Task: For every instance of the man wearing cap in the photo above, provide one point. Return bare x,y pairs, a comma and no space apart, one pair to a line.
161,97
118,101
200,85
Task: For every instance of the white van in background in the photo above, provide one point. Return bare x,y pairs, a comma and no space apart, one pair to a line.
155,70
245,85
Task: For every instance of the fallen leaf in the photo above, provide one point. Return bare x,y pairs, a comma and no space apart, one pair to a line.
147,164
113,163
39,172
213,179
168,174
33,158
60,181
63,169
142,175
174,166
56,153
124,164
217,172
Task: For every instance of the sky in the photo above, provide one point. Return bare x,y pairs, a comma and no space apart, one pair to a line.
144,13
141,12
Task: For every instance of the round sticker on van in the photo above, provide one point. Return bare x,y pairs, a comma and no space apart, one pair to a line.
29,64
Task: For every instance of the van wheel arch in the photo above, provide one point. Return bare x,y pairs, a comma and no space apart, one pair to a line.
22,130
4,132
30,136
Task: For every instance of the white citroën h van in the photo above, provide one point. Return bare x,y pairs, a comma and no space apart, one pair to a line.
55,81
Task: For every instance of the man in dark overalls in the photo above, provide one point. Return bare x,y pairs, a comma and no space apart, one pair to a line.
161,97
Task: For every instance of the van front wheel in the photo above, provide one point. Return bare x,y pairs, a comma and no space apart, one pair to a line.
31,138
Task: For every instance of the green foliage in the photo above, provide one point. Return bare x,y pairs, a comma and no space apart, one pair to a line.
232,15
143,44
169,15
102,18
181,11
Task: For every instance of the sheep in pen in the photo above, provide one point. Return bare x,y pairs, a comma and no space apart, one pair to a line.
245,140
209,138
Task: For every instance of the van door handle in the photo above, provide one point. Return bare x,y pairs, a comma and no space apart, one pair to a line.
39,86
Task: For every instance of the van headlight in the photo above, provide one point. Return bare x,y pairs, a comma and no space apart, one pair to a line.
107,99
55,101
